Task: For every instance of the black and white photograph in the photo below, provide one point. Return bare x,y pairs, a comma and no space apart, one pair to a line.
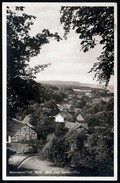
59,91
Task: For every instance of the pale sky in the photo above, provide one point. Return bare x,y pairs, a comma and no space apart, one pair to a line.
68,63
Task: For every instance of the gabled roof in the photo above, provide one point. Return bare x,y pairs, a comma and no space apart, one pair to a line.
27,119
14,126
80,118
70,125
77,109
74,126
46,109
66,116
67,106
84,125
79,127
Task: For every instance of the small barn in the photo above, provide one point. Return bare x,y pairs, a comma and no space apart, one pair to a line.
20,130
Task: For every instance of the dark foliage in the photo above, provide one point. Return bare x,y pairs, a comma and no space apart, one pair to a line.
20,48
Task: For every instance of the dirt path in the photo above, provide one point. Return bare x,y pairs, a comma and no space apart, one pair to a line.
37,167
16,159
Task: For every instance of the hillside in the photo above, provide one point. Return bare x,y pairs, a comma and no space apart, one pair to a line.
73,84
55,82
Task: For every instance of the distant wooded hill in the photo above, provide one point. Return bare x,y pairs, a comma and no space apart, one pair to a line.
72,84
51,82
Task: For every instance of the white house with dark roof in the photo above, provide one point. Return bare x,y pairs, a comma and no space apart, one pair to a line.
63,117
59,118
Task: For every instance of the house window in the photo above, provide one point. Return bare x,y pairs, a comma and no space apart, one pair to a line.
34,136
27,137
14,139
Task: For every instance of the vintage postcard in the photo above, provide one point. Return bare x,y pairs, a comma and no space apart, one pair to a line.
59,91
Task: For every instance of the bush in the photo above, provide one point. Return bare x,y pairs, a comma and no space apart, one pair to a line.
57,153
60,129
36,145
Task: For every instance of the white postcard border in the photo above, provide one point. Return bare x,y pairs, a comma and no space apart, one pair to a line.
4,97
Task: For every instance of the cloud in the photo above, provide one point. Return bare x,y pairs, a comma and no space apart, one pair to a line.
67,61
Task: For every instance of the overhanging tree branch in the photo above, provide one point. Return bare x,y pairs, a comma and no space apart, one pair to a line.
89,23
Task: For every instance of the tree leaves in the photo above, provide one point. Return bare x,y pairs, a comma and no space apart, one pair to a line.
90,22
21,8
21,47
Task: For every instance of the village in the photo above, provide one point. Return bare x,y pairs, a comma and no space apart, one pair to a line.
69,116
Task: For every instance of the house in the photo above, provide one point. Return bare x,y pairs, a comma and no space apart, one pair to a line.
89,94
59,107
76,126
84,126
67,106
77,111
59,118
47,110
79,118
20,130
96,100
105,99
62,117
70,125
63,107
